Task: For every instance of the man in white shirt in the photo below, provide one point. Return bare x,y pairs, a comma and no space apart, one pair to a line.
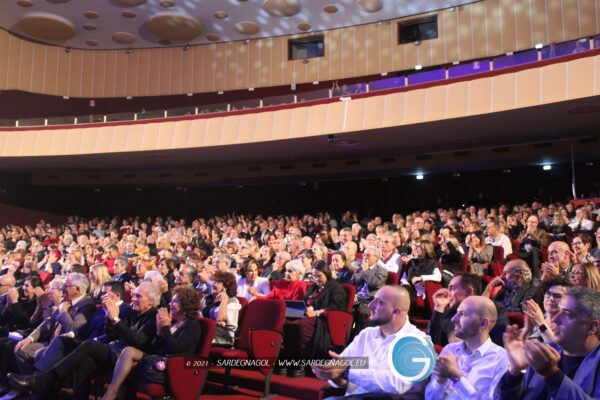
496,238
580,223
389,315
471,368
390,259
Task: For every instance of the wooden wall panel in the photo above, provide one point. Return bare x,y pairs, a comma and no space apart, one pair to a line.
87,73
59,142
74,141
264,126
335,116
231,129
43,143
30,139
299,122
150,137
528,88
165,135
458,95
317,119
554,83
281,124
415,106
374,109
578,77
435,104
597,74
485,28
355,115
395,108
120,135
247,127
214,131
479,96
570,12
88,143
503,92
182,134
523,25
198,133
14,142
134,137
105,138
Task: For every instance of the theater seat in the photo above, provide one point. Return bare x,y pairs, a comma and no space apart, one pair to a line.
516,318
499,253
184,382
392,278
260,337
340,322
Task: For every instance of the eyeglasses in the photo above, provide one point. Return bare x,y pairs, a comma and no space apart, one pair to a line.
554,296
67,286
575,273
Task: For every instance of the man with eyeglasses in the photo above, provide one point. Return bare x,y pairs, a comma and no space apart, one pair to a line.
569,368
559,261
517,286
368,280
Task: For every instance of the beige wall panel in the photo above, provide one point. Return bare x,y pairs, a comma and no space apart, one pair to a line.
355,115
105,138
231,129
597,72
570,9
494,39
374,108
247,127
198,132
415,106
150,137
30,139
554,79
87,73
100,83
120,136
176,73
458,97
334,118
51,71
348,52
199,66
264,126
88,144
451,35
361,50
465,33
508,25
528,87
394,111
555,23
317,119
243,65
254,54
181,136
523,25
76,73
166,69
538,21
214,131
324,62
4,60
154,66
312,70
220,66
74,141
385,46
59,142
38,68
435,106
279,57
25,65
503,92
335,53
288,66
281,124
373,49
3,140
14,55
187,70
479,96
165,135
398,51
13,145
412,54
135,137
581,78
110,73
299,122
587,17
265,70
42,146
231,64
479,39
121,74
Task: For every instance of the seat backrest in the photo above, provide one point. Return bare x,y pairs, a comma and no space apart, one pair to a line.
350,293
261,314
392,278
516,318
209,327
499,253
243,301
465,262
430,289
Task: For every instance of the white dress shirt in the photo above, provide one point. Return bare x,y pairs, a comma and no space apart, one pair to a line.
481,371
393,263
501,240
261,285
378,378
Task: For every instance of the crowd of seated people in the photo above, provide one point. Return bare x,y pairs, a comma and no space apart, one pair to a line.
96,296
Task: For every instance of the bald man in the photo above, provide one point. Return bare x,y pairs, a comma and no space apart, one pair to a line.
389,320
7,281
472,367
559,261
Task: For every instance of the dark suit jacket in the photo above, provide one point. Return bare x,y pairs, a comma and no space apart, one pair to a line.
95,326
76,316
183,340
374,277
331,297
124,277
137,331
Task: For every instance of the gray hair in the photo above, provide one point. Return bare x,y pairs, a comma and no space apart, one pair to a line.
153,292
80,280
226,258
57,282
123,261
152,274
376,251
588,301
297,266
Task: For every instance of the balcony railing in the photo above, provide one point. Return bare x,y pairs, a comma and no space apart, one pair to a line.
432,75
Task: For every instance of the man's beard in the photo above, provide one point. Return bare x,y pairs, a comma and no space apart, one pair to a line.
379,322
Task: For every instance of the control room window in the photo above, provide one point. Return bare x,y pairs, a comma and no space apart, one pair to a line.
417,30
308,47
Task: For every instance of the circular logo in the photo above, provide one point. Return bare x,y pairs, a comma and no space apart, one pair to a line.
412,358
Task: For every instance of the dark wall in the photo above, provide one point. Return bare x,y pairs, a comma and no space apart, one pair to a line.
402,194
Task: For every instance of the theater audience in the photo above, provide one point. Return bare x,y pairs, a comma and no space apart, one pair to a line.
516,286
558,230
249,284
291,287
559,261
585,274
424,267
340,269
367,280
581,244
532,239
497,238
98,276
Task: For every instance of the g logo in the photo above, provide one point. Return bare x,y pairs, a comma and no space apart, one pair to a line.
412,358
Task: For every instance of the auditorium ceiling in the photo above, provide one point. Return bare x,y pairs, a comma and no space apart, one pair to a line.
110,24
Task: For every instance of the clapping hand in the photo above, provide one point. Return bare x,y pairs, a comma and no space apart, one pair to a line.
515,345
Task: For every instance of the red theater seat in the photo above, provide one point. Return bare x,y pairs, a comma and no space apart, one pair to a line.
340,322
392,278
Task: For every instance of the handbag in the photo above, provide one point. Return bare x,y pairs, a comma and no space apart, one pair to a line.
223,336
150,369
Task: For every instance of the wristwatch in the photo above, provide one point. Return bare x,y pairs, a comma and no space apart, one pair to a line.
543,328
